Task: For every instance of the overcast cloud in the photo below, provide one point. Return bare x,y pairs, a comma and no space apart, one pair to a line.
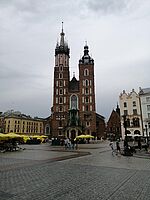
118,35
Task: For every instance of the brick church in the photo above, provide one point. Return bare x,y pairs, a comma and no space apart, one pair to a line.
73,112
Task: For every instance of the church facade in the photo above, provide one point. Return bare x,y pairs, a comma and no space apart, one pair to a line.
73,111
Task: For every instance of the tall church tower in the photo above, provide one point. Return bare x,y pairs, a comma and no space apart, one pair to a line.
87,93
61,84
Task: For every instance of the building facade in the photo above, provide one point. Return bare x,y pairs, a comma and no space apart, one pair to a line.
2,123
100,127
22,124
144,94
73,110
130,113
114,125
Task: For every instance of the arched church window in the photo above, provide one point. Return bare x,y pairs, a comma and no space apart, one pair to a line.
47,130
60,67
61,91
87,108
86,91
60,100
60,75
87,99
60,83
74,102
86,82
86,72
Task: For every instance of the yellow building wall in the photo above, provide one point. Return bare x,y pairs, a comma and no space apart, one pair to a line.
24,126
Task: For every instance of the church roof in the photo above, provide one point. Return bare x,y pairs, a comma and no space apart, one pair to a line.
100,116
74,85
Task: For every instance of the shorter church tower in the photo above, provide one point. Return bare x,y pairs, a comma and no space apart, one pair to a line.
87,92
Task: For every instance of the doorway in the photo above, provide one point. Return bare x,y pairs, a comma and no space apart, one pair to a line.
73,134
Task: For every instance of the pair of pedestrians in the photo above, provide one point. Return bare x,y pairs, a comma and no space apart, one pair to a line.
69,143
118,150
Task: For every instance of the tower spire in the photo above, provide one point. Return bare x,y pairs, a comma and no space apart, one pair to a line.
85,42
62,46
86,49
62,34
62,27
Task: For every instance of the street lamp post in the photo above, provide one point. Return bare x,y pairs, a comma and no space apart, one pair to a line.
125,124
126,139
146,133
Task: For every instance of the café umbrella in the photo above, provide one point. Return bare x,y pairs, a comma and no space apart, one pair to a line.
3,136
84,137
89,136
13,135
9,136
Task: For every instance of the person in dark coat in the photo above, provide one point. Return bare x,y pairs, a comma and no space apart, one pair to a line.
72,143
139,144
118,147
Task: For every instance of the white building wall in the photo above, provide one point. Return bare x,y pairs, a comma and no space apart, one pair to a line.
145,101
129,99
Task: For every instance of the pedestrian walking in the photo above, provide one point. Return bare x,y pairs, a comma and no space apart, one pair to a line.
118,147
112,147
139,144
72,143
76,143
66,143
69,143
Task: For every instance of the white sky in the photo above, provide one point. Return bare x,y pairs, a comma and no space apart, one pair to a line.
117,33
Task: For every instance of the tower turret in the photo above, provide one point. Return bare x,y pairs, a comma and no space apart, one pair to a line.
86,58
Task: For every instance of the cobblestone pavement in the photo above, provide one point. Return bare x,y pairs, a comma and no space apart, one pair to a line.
40,173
